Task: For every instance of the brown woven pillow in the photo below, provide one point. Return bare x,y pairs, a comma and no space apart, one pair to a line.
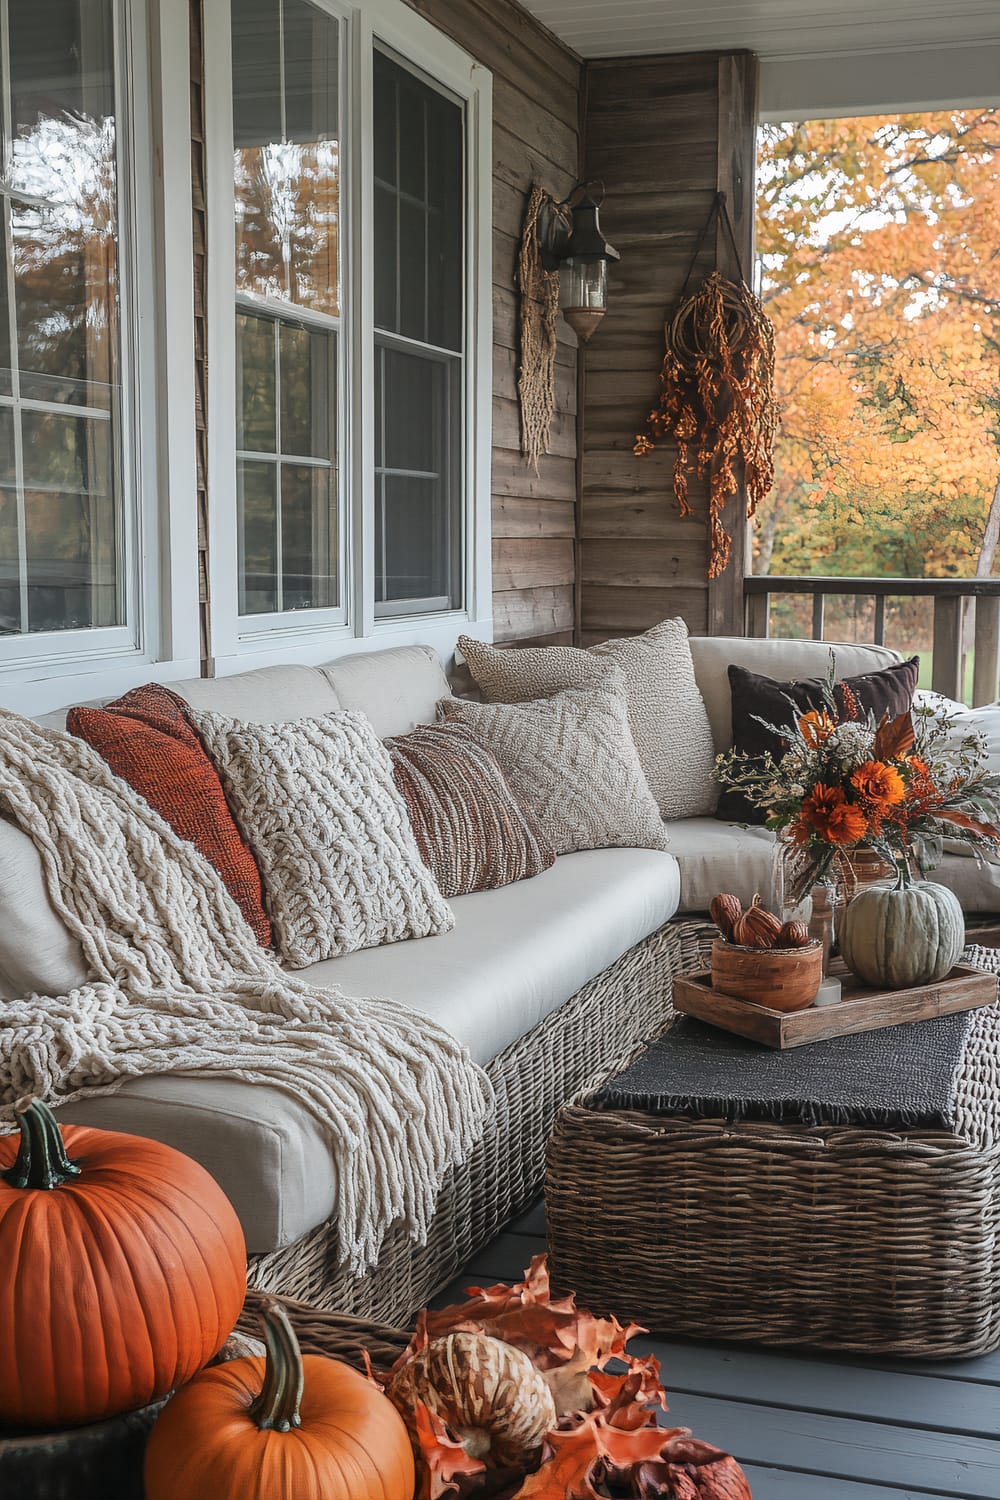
472,832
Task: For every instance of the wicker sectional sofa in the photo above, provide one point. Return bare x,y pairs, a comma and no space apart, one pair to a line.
551,983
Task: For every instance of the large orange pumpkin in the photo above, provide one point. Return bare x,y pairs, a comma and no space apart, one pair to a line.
288,1427
122,1271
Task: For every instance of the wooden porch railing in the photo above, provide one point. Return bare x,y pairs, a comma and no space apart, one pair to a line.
951,597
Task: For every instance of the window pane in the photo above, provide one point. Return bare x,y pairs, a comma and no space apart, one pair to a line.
255,403
258,537
308,537
413,396
63,151
61,508
419,239
70,528
287,136
418,513
287,151
419,275
10,591
6,372
308,392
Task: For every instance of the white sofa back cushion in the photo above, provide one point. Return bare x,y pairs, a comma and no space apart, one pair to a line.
787,661
397,689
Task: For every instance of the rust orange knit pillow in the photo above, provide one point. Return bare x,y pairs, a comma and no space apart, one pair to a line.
146,739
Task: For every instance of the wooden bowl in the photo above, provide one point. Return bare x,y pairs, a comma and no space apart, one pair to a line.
780,978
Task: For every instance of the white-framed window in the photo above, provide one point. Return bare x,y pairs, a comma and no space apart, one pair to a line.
350,214
88,452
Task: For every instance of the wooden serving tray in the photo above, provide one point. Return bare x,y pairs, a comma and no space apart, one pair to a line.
859,1009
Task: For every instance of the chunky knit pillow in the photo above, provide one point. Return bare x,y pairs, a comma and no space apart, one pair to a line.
147,740
572,760
470,829
666,710
317,802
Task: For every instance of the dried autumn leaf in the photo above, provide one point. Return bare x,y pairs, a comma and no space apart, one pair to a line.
565,1342
985,830
444,1463
893,737
692,1470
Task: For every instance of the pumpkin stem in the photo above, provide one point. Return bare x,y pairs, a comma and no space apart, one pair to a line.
277,1406
903,878
41,1160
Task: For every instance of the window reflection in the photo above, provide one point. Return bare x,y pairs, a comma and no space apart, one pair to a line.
287,201
60,502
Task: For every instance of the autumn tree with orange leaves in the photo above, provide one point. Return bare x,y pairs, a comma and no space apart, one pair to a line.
879,245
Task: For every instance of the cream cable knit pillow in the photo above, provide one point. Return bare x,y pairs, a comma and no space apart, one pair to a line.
317,802
572,760
666,711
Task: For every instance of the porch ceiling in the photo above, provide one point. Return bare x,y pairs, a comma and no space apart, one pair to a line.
774,29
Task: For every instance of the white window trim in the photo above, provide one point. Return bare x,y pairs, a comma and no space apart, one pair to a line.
153,71
317,635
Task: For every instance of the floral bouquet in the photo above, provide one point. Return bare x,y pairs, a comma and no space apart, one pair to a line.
846,780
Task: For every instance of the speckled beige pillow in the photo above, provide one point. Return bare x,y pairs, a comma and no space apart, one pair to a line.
666,711
572,760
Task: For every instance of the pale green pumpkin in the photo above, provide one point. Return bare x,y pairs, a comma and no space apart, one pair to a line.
893,937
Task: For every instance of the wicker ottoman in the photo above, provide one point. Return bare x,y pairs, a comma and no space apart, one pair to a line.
836,1238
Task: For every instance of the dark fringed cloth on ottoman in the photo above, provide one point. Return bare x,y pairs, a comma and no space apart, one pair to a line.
901,1078
844,1195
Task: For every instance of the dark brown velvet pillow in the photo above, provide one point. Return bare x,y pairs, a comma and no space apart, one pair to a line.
755,697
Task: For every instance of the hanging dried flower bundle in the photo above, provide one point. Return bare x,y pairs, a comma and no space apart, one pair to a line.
717,400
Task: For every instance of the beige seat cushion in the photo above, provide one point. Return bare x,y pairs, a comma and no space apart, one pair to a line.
714,856
514,957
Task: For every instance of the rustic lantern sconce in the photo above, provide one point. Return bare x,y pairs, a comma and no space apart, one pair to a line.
571,242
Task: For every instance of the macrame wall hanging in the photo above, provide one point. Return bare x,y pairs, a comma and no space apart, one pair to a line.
716,399
539,306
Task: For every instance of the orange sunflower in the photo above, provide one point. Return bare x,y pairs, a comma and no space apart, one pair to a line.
879,784
829,814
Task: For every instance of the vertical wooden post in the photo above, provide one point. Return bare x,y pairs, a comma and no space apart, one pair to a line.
986,668
879,631
759,615
819,609
736,156
946,670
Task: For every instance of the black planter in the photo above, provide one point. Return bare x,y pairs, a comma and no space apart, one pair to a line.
102,1462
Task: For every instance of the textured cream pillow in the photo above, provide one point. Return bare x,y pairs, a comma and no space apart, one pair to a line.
317,802
572,760
666,711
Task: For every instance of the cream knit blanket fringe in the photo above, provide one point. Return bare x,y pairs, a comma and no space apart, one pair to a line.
180,985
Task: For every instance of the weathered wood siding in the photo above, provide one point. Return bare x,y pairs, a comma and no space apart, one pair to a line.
664,134
536,95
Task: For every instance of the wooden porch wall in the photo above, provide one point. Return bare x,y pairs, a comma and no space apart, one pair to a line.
536,95
664,134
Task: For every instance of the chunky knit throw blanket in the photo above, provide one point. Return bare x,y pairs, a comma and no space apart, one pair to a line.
180,985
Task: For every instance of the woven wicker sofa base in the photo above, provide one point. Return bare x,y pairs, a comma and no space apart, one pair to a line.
586,1040
840,1239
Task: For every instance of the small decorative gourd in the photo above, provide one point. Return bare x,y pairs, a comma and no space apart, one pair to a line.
756,927
725,911
123,1267
490,1395
286,1427
793,935
894,937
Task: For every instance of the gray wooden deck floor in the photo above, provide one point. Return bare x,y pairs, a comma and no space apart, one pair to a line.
814,1427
